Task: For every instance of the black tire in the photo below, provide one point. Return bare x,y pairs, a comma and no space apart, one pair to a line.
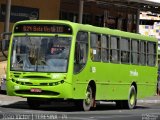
33,104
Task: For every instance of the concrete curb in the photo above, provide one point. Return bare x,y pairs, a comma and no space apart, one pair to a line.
148,101
7,102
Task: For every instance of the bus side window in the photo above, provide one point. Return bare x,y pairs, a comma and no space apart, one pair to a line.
135,52
105,48
142,57
114,51
151,53
95,42
125,50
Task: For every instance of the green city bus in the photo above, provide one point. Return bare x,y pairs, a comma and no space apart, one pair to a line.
58,60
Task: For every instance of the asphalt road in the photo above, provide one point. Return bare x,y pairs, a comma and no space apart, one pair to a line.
19,110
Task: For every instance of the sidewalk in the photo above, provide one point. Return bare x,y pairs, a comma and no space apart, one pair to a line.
153,99
5,100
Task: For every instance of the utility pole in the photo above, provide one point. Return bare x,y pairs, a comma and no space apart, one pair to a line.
137,22
81,4
7,17
6,26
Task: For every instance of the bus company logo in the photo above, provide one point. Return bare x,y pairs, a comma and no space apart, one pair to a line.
93,69
133,73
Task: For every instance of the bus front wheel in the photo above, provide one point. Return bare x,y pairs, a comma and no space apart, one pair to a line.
88,101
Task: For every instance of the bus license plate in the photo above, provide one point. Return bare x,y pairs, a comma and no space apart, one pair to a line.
36,90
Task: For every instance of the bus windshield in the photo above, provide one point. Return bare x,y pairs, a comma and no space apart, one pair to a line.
40,54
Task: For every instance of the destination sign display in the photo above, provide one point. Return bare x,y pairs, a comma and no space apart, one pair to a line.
43,28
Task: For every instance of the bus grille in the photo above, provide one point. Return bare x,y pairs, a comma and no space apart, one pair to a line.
39,84
17,74
39,93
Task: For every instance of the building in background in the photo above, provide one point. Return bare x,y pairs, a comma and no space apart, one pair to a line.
150,25
101,13
116,14
29,9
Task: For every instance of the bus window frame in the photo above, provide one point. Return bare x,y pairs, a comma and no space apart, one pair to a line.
135,52
106,48
93,50
126,52
143,52
154,54
116,49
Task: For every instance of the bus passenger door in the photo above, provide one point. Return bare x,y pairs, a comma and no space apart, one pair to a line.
80,60
81,52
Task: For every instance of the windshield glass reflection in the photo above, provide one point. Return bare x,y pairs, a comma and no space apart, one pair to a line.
43,54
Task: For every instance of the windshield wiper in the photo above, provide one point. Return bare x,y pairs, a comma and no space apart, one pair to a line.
28,39
37,56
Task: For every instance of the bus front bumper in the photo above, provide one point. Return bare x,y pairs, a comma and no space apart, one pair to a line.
61,90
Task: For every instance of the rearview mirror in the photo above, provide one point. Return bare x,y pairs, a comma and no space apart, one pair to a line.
4,43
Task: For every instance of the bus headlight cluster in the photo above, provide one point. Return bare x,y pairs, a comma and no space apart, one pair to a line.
40,84
56,83
22,83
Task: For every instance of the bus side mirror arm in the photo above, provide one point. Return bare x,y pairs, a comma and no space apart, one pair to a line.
2,35
5,33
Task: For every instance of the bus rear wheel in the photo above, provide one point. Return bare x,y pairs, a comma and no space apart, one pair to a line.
131,102
132,99
33,104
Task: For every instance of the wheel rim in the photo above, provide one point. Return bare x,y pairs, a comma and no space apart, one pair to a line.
88,98
87,102
132,99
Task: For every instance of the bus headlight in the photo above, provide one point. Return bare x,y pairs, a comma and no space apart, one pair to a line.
56,83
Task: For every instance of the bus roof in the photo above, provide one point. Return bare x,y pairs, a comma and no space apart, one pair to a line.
91,28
